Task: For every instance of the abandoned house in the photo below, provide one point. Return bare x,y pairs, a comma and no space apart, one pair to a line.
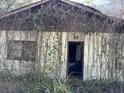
62,37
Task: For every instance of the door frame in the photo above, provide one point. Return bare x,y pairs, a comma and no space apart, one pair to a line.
67,76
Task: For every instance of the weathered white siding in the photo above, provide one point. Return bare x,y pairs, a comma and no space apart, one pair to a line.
100,56
102,51
2,49
15,66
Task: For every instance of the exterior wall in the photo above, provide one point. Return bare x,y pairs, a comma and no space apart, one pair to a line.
15,67
50,52
101,52
2,49
54,47
104,56
93,45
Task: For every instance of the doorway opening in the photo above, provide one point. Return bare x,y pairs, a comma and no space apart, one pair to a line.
75,59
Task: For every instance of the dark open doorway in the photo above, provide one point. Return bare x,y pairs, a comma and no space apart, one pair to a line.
75,59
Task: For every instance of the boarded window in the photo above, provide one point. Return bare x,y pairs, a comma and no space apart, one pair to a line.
21,50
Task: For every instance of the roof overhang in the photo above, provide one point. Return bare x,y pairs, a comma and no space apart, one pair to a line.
61,15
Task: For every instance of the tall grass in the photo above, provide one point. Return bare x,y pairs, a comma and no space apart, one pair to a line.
47,84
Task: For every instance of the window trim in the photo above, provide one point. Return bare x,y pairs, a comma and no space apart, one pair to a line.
9,57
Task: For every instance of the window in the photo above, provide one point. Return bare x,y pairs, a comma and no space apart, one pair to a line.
21,50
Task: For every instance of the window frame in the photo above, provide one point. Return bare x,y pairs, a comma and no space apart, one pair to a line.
24,47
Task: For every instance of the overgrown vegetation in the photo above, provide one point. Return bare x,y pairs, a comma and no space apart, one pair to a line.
8,5
55,84
49,80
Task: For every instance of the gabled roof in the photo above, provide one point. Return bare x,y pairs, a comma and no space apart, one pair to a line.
78,5
94,19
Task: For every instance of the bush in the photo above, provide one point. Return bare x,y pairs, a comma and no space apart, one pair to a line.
46,84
